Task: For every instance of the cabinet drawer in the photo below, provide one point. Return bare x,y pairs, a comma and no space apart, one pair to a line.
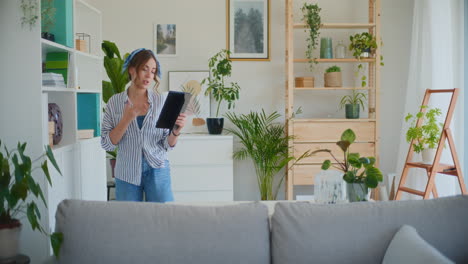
201,152
304,174
364,149
201,178
313,131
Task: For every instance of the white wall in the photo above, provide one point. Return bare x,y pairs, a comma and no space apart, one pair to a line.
20,99
201,32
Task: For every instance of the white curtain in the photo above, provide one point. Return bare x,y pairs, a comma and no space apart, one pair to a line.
436,62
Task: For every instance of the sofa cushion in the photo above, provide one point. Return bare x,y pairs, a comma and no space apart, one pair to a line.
408,247
132,232
361,232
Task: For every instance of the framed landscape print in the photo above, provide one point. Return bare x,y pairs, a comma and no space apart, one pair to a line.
248,29
199,107
165,39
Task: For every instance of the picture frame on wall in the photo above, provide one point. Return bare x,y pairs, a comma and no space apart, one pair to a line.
199,107
165,40
248,29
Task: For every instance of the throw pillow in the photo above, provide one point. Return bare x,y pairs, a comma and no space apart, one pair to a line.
408,247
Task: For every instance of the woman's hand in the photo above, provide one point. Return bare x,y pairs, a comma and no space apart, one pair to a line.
180,122
131,111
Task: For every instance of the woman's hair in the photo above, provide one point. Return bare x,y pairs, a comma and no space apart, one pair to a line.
139,61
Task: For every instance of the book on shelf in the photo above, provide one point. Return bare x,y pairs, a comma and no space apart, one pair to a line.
57,62
85,133
53,80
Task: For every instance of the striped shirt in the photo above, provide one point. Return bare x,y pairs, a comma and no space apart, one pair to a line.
149,140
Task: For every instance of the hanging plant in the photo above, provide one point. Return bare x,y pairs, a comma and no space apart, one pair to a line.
29,8
311,16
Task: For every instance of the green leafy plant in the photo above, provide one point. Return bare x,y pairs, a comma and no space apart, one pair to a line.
265,142
220,68
356,98
427,135
113,64
47,15
333,69
311,16
356,169
17,184
362,42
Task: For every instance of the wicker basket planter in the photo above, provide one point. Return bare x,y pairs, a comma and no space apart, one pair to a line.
333,79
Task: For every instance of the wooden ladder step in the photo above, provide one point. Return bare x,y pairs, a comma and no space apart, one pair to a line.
413,191
440,168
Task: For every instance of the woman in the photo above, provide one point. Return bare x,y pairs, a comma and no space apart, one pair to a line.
129,123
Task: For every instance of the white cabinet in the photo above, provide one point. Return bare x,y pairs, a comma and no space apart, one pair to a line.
202,168
92,170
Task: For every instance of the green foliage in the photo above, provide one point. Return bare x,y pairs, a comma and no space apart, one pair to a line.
333,69
362,42
220,68
113,64
265,142
355,98
427,135
17,184
356,169
47,15
311,16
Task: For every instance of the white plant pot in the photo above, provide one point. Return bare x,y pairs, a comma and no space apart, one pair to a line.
9,242
428,155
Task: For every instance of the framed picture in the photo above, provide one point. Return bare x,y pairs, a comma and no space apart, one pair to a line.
199,107
248,29
165,39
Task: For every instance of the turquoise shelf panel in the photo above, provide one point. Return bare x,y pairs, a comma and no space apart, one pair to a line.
89,108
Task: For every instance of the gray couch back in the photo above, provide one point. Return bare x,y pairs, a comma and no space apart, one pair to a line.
125,232
361,232
301,232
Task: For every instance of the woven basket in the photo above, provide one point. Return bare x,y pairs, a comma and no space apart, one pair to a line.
304,82
333,79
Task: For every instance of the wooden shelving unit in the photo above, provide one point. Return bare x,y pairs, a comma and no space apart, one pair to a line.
317,133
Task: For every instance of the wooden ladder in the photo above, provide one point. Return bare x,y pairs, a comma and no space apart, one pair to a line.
435,167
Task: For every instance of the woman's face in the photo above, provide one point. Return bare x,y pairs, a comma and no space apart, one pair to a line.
145,76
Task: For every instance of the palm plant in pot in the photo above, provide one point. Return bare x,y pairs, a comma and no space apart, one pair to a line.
265,142
113,64
220,68
18,191
424,137
359,172
352,103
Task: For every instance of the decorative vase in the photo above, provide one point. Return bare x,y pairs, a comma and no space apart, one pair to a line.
9,240
55,115
215,125
48,36
340,50
333,79
357,192
428,155
352,111
326,48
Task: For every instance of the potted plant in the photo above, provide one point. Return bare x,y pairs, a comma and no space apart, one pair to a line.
333,77
311,17
48,19
18,192
362,45
358,172
425,137
113,64
220,68
352,103
265,142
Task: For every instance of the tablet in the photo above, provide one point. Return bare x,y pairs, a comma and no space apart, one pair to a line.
175,103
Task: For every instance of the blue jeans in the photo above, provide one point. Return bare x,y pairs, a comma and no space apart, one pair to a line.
155,182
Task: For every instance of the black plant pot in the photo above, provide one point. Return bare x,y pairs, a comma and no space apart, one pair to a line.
215,125
48,36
